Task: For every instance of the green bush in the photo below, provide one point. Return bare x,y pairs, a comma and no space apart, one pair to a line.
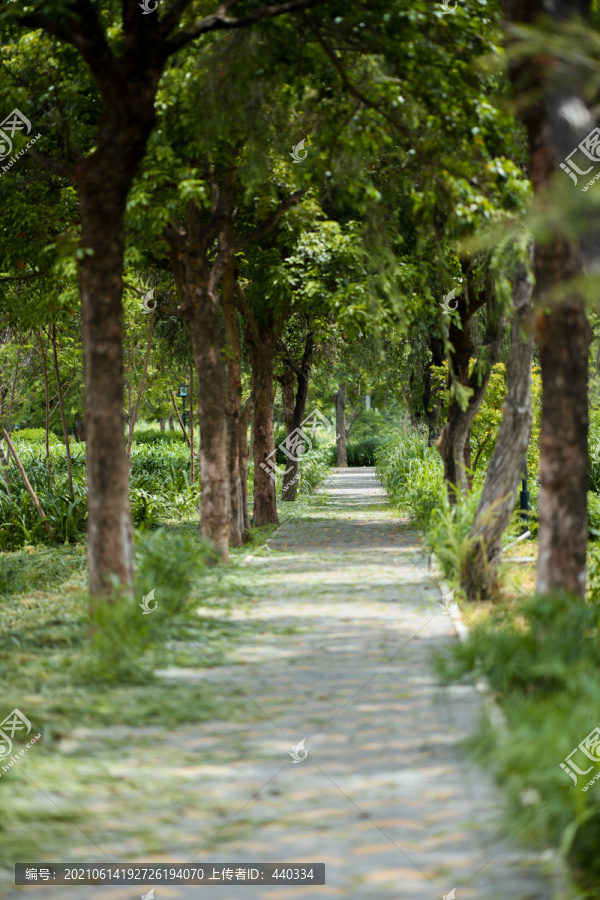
541,658
153,436
34,436
160,490
125,639
412,473
362,452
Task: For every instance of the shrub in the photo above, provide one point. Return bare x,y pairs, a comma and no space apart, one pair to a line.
123,637
541,657
34,436
152,436
412,473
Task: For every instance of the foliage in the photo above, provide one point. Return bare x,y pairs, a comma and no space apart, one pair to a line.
34,436
153,436
486,425
540,658
121,634
160,489
412,473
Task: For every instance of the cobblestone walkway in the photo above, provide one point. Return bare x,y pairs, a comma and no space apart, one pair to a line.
386,797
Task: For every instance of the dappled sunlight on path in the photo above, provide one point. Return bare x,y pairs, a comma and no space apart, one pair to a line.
386,797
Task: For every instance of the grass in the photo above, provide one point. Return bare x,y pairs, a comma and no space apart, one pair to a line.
109,724
97,701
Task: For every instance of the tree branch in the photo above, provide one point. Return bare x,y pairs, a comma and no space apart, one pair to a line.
172,16
245,310
53,165
219,22
281,348
84,32
331,55
268,223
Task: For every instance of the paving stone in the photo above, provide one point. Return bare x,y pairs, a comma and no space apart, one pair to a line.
386,796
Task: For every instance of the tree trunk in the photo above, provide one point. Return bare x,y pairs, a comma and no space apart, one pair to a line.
294,409
63,418
233,404
454,442
291,472
203,327
504,472
243,455
265,501
432,399
557,120
563,339
340,426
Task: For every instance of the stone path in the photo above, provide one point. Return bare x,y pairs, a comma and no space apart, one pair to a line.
386,797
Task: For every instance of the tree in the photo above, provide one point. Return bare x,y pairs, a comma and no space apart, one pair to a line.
497,499
127,82
548,88
294,406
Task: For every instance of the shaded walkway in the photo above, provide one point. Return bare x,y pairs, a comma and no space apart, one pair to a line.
385,798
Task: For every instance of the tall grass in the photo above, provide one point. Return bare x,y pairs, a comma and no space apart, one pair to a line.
160,490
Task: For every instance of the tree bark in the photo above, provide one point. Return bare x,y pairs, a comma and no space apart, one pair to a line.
505,469
340,426
294,409
63,418
454,443
205,334
433,402
562,329
564,339
243,455
233,404
262,359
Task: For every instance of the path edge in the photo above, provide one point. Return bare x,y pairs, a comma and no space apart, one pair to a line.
555,867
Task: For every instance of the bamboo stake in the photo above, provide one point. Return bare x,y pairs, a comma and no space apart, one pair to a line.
26,481
142,388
